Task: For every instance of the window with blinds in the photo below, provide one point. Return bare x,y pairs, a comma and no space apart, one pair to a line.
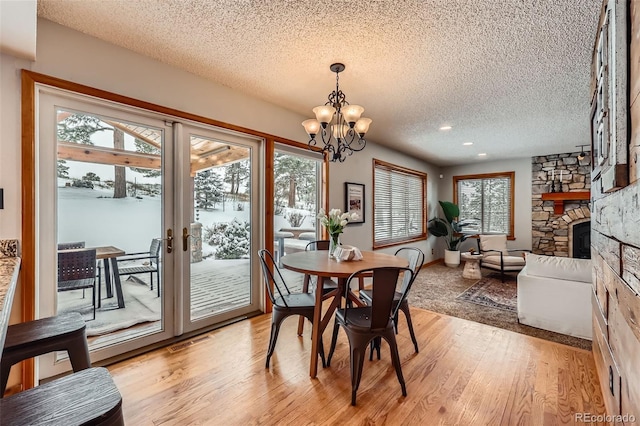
399,204
486,202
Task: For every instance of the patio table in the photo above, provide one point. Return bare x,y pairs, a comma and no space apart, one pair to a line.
109,255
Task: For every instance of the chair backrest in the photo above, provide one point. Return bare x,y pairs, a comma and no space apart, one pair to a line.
496,242
317,245
69,246
273,280
154,249
76,264
415,257
383,290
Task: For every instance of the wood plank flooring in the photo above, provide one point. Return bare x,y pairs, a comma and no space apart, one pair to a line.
465,374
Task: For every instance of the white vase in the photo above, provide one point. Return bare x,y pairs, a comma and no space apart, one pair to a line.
452,258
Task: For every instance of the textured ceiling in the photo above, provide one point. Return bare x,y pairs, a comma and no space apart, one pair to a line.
510,76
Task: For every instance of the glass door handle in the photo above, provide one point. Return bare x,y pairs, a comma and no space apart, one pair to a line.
169,240
185,239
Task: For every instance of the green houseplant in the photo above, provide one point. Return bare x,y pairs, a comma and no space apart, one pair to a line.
451,229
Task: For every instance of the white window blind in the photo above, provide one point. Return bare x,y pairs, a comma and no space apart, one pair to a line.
399,204
486,203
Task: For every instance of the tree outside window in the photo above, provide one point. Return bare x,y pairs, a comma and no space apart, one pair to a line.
486,200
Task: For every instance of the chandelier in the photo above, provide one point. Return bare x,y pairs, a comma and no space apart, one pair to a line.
339,124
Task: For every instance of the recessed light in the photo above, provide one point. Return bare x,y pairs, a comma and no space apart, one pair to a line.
467,143
482,154
445,128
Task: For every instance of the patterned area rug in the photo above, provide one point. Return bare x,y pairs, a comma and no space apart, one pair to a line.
493,294
443,290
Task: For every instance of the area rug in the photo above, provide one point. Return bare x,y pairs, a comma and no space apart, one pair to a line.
141,305
492,293
443,290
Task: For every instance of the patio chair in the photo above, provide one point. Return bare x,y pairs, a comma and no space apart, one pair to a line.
415,256
364,324
150,265
285,303
496,255
71,246
77,270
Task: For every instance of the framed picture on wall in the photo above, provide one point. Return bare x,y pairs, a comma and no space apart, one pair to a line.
354,200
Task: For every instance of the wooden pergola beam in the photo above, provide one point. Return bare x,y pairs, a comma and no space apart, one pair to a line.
128,131
227,157
109,156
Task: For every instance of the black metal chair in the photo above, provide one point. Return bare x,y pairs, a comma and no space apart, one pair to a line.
329,287
285,303
415,256
150,265
77,271
364,324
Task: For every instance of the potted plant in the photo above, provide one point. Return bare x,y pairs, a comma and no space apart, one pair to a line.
451,229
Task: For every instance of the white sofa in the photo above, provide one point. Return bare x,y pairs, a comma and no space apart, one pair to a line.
554,293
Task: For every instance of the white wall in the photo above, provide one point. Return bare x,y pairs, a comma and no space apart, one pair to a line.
358,168
522,202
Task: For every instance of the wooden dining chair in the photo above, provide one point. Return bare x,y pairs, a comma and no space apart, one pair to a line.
415,258
364,324
285,303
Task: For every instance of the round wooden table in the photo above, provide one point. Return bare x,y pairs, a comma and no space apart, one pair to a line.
318,263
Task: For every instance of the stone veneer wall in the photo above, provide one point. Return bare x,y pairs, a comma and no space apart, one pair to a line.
551,232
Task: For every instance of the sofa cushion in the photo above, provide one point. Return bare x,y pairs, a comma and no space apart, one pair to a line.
563,268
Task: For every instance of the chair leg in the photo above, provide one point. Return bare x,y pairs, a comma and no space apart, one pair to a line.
334,338
357,361
395,358
5,369
305,289
407,314
93,297
275,329
151,280
158,282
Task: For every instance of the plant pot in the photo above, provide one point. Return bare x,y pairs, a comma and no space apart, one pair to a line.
452,258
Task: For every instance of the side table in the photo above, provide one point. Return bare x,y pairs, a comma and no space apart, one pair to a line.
471,265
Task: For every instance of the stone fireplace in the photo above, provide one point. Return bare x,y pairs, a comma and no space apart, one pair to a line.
555,216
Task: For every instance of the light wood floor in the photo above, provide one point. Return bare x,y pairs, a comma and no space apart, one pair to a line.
465,374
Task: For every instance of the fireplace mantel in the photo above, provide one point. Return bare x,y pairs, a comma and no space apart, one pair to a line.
559,198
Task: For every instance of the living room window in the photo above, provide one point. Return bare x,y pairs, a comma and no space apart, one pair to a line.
486,200
399,197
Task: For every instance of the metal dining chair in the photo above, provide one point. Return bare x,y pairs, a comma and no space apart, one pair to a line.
364,324
415,257
284,302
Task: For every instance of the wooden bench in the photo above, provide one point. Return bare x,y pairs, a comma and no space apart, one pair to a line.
29,339
88,397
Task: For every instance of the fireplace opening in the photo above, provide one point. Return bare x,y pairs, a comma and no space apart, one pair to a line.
582,240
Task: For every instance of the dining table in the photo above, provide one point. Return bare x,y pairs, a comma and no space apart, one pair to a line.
319,264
